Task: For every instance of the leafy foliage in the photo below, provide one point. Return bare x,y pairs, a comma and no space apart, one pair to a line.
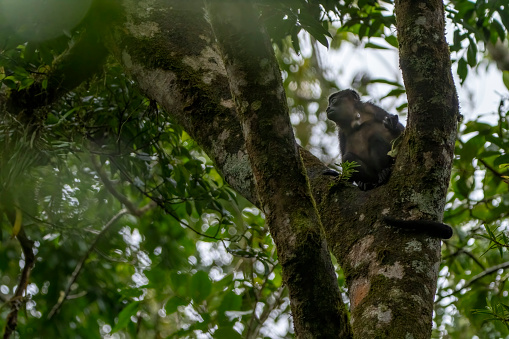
473,276
187,256
198,263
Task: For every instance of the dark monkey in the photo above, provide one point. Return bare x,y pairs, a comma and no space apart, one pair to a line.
365,135
366,132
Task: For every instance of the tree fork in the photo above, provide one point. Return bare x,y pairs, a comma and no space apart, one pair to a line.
283,188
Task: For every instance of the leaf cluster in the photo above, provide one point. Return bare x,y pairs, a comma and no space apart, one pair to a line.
199,260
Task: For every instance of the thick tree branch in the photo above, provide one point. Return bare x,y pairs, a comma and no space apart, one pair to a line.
427,151
171,55
282,185
80,62
169,52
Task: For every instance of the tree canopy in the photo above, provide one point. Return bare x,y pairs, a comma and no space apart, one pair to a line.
153,156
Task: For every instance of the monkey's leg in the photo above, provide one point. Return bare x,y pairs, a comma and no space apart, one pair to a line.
366,176
384,175
330,172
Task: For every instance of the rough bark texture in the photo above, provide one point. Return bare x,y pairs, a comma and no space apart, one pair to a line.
169,49
282,185
391,276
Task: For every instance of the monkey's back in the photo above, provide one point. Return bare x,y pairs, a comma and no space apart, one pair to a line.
370,142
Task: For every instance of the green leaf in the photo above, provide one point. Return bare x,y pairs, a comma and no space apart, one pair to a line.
189,207
231,302
504,15
503,159
375,46
385,81
201,286
472,53
9,82
173,304
392,40
456,42
497,26
179,283
505,78
124,317
462,70
227,333
314,27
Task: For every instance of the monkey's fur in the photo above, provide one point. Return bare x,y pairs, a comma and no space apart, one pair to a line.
366,133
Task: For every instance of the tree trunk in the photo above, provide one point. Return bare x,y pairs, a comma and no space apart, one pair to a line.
282,185
391,275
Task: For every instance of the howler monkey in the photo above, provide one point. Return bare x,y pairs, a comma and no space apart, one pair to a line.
365,135
366,132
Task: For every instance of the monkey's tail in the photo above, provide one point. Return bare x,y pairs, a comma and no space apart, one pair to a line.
432,228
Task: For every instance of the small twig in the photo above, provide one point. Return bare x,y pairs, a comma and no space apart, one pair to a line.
163,207
494,171
79,266
111,188
17,298
468,253
497,243
479,276
137,212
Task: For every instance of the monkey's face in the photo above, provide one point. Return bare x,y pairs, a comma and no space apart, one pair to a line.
342,109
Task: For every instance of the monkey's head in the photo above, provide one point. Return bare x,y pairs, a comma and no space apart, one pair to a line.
342,109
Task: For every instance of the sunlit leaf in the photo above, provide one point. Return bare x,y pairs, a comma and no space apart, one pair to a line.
124,317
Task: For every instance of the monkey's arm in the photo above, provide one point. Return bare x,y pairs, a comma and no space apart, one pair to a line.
391,122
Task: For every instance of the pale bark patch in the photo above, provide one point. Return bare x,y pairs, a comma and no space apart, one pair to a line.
361,252
429,162
418,266
208,63
227,103
395,271
238,167
162,84
446,156
141,9
421,21
381,312
143,30
413,246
